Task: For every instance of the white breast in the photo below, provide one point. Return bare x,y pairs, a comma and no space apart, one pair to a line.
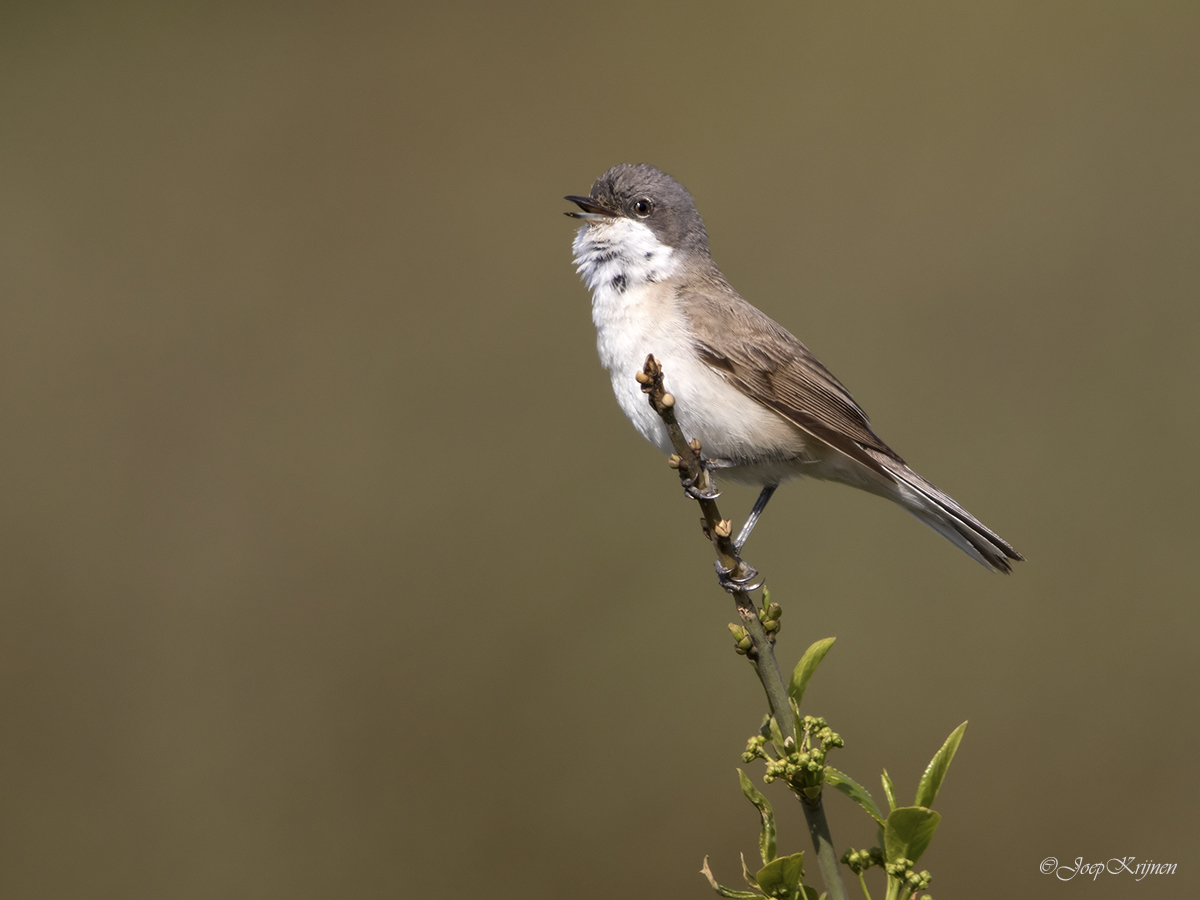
636,312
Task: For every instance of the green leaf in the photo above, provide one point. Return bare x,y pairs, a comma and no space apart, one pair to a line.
776,736
889,791
936,770
804,669
724,891
766,837
908,831
854,791
780,878
810,893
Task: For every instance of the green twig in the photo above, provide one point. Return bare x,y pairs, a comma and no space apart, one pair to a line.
687,460
818,830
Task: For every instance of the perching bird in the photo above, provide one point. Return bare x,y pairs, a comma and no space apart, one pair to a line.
762,406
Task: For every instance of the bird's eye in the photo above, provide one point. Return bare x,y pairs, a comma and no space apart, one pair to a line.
642,207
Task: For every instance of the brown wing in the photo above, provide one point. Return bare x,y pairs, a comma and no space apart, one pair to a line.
765,361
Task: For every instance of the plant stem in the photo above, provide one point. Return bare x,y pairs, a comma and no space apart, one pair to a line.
767,666
818,829
762,652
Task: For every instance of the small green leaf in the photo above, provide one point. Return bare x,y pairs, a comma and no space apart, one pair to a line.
776,736
766,837
724,891
781,877
854,791
804,669
765,728
936,770
908,831
889,791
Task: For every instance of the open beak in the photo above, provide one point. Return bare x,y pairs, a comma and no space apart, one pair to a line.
592,211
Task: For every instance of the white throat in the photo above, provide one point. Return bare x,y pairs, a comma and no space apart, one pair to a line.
621,255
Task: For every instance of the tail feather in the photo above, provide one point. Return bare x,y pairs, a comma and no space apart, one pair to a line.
940,512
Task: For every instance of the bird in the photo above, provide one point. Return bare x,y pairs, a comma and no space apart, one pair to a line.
764,409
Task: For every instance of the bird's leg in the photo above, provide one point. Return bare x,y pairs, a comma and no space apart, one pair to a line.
759,505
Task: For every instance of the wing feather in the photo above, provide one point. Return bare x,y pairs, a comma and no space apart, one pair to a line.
771,366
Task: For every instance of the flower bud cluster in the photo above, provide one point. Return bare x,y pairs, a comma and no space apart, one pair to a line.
899,867
769,615
754,749
800,769
816,728
861,860
903,870
741,639
803,766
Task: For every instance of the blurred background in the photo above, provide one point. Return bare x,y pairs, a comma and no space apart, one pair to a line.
331,567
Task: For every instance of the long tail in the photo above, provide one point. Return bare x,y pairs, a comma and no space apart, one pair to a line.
940,512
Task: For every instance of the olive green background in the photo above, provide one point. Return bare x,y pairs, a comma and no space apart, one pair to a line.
331,568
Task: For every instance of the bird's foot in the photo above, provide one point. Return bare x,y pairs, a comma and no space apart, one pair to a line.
701,484
743,581
691,486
